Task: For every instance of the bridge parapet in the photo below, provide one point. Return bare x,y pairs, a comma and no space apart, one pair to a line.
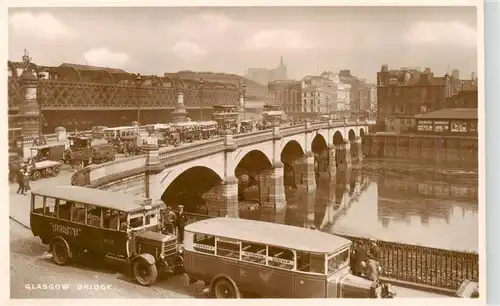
169,156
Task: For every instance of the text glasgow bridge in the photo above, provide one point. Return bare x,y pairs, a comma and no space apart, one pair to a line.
160,174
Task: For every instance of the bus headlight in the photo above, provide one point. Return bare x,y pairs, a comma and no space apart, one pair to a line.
181,249
163,256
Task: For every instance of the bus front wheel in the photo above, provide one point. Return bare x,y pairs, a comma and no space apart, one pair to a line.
225,289
145,274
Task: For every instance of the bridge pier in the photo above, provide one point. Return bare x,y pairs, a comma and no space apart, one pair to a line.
228,200
323,169
272,188
305,176
359,150
332,161
346,148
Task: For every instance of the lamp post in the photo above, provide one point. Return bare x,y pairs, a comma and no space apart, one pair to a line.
138,83
200,86
39,99
243,92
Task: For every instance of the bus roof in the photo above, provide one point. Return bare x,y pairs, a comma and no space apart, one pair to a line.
297,238
106,199
225,106
117,128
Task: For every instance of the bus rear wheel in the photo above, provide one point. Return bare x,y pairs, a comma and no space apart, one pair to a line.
144,273
60,253
225,289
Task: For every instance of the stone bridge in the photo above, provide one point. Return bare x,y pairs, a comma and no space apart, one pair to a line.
269,159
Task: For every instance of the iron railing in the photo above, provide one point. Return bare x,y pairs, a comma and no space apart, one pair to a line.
416,264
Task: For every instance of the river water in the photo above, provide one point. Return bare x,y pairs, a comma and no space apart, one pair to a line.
428,207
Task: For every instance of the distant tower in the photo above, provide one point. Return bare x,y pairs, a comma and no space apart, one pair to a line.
29,111
473,76
455,73
281,73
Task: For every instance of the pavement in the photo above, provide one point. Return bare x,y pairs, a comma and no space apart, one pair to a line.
31,267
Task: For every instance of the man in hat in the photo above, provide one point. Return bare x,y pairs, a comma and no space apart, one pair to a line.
358,259
20,179
170,219
181,222
373,260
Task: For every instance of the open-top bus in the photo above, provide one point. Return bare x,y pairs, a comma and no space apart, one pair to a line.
73,220
232,256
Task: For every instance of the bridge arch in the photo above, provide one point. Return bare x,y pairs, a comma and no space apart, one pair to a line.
252,163
292,152
338,138
318,143
188,187
351,135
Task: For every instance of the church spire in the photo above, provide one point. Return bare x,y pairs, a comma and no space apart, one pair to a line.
281,61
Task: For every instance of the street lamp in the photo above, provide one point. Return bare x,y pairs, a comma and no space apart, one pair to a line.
200,86
243,91
41,118
138,82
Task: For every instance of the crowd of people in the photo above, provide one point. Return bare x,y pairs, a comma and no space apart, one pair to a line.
23,179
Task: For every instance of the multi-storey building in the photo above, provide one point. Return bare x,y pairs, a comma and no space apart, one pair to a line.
325,94
287,94
403,93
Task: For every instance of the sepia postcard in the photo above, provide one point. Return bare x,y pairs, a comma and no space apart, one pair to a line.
184,152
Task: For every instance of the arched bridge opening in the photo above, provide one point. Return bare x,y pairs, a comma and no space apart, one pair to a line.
292,159
190,188
248,173
319,148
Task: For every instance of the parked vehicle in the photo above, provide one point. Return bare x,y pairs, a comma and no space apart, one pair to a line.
76,221
40,164
234,256
208,129
174,139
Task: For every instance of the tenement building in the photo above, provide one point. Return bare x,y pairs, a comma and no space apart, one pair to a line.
403,93
287,94
325,95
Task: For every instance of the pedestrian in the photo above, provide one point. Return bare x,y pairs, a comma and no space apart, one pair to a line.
373,259
26,181
20,179
170,220
358,260
181,222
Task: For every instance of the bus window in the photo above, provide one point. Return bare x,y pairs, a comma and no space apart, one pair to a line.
123,221
136,222
338,261
50,207
94,216
111,219
151,219
204,243
78,214
37,204
281,258
229,248
253,252
312,263
63,210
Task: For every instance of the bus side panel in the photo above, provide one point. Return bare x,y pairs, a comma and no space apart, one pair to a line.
279,282
201,266
229,267
309,286
49,228
114,242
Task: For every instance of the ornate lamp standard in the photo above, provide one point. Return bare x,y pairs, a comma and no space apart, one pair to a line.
200,86
40,100
243,92
138,83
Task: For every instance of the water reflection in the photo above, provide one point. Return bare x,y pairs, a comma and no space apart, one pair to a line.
390,207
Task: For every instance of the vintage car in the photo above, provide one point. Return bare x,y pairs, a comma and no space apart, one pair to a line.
75,221
53,152
41,163
86,150
174,139
236,256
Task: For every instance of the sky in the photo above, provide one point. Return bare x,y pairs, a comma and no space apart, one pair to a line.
154,40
